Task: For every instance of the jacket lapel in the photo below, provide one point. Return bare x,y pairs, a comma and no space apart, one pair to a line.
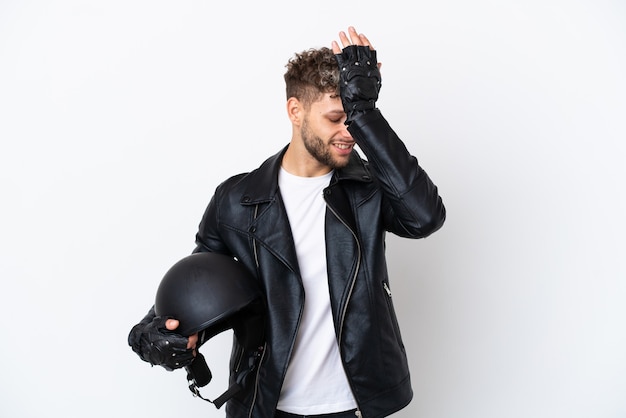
269,225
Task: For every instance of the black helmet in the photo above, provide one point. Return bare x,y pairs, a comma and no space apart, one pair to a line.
209,293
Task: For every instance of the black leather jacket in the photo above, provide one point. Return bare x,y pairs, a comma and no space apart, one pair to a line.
388,192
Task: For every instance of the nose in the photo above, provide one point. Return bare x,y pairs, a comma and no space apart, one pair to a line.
344,133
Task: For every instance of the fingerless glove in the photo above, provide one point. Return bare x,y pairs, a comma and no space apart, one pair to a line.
157,345
359,79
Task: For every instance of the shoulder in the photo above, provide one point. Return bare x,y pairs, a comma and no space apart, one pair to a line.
257,183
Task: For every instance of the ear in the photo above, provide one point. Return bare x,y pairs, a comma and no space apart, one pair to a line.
295,110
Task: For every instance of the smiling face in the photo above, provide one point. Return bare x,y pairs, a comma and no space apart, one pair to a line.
323,133
320,141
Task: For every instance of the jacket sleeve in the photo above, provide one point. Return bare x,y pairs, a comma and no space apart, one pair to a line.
208,237
412,206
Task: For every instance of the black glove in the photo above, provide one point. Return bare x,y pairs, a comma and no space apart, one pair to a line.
359,79
157,345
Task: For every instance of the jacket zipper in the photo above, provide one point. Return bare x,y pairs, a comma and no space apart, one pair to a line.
258,369
356,272
386,287
256,381
256,257
345,308
394,320
256,261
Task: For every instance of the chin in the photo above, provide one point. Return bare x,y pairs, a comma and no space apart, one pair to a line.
340,163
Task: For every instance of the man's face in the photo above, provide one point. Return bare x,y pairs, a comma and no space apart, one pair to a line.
324,134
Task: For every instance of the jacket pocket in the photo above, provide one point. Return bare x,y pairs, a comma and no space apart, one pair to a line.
392,313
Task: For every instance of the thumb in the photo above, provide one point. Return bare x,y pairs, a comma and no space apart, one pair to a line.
171,324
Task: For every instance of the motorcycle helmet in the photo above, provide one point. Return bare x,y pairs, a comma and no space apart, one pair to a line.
209,293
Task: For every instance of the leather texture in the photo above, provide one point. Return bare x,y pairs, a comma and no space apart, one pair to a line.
157,345
388,192
359,79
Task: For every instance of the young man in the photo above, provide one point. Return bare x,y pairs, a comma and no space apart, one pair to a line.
310,225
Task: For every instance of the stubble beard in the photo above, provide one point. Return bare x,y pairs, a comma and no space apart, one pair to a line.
318,149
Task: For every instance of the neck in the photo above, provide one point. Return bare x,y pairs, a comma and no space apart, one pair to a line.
300,163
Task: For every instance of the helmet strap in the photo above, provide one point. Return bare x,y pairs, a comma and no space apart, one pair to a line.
233,389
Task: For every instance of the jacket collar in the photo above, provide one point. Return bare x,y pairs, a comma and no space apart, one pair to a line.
263,184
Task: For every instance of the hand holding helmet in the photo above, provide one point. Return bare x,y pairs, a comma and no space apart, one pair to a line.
154,340
207,293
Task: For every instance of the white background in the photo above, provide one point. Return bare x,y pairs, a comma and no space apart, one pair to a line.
119,118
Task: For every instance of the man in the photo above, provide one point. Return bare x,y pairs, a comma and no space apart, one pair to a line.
310,225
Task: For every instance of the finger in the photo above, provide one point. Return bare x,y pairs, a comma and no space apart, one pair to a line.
335,47
344,39
192,341
354,36
366,42
171,324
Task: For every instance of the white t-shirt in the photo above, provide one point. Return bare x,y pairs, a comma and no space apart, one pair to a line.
315,382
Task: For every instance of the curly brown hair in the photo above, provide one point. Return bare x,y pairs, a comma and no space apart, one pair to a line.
312,73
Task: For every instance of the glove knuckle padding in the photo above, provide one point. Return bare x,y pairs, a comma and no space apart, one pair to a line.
161,347
359,77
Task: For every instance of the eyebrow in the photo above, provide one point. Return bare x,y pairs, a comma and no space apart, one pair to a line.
336,112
